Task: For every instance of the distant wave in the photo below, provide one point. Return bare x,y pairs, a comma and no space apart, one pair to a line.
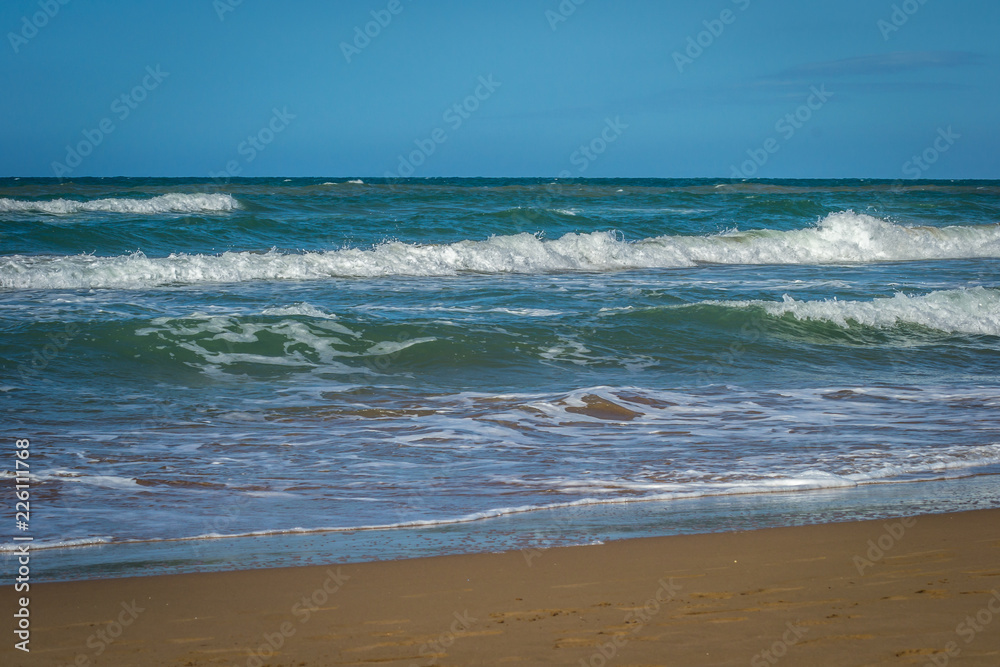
844,237
169,203
968,311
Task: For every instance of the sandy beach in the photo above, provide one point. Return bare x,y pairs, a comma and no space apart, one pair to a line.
909,591
408,333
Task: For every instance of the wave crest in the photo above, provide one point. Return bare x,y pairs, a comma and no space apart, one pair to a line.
844,237
974,311
169,203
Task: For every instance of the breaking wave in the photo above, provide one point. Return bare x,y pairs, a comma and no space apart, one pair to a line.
973,311
844,237
169,203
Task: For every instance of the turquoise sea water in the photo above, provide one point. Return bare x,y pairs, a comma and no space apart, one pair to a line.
287,356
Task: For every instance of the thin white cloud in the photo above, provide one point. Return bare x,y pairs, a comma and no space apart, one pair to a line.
882,64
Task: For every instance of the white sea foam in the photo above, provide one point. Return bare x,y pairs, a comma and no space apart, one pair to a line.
844,237
915,461
57,543
521,312
527,312
169,203
968,311
318,342
840,238
945,464
63,475
391,347
303,309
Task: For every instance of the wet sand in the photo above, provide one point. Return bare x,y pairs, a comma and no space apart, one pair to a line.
916,591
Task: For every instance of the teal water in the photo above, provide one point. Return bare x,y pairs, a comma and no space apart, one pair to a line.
196,359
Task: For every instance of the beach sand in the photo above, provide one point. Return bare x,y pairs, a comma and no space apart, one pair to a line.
919,591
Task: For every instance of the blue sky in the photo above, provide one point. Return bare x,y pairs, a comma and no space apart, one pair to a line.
597,88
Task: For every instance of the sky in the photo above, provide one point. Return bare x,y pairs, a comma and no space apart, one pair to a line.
593,88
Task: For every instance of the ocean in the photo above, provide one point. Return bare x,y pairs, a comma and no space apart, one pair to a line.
288,370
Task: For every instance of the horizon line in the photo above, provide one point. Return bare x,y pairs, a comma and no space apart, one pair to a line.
551,178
